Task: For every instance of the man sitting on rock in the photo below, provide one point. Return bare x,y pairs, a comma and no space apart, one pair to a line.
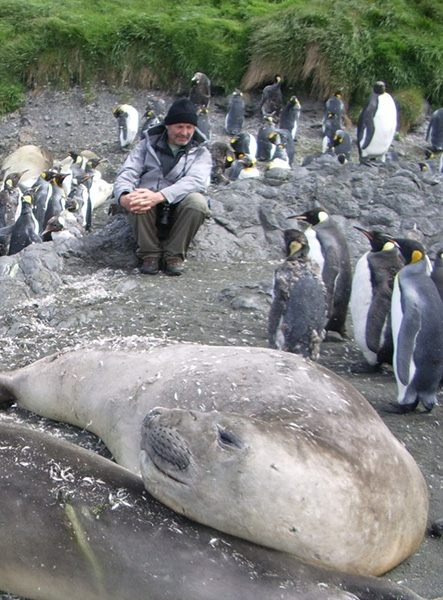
161,185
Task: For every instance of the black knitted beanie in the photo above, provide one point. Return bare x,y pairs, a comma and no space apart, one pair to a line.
181,111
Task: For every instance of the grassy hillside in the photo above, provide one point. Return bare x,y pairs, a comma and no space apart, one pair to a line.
317,45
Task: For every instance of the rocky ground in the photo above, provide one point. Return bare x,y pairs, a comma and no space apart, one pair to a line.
222,298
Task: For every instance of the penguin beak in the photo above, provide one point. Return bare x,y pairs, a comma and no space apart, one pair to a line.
365,232
299,217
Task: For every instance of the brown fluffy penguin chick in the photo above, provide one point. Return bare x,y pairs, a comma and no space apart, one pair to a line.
297,316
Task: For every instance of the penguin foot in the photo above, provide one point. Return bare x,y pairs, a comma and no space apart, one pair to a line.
334,337
364,368
400,409
436,529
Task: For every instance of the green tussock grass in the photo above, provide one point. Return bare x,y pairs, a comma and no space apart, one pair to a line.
321,46
317,45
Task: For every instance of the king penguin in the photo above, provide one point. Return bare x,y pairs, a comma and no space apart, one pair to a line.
341,144
282,137
154,115
328,247
56,202
331,125
290,115
243,168
272,99
235,116
371,296
200,93
335,105
128,123
42,191
265,148
244,143
434,132
204,122
433,162
25,229
437,272
297,316
417,330
376,124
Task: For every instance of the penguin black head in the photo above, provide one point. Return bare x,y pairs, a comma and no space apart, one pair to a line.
76,157
12,179
48,175
378,240
56,223
59,178
296,244
379,87
93,163
313,217
274,138
342,159
338,138
411,250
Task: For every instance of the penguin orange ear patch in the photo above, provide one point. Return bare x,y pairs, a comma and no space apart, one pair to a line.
416,256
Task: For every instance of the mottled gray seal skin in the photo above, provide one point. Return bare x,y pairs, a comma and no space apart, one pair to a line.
337,464
74,524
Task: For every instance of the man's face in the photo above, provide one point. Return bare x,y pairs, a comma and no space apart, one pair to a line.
179,134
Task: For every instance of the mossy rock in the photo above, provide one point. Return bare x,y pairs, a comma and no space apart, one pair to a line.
412,109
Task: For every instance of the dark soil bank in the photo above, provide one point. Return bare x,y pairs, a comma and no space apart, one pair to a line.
224,296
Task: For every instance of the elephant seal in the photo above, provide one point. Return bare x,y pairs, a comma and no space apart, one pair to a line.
74,523
30,159
328,442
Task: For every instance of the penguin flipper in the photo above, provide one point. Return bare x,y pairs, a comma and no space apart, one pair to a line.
377,318
278,307
409,328
365,126
367,134
428,131
7,229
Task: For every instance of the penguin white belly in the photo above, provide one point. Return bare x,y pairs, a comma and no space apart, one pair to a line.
396,321
385,124
128,126
252,146
100,191
360,302
315,250
280,342
249,172
279,163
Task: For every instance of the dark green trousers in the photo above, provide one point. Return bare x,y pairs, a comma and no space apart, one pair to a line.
186,218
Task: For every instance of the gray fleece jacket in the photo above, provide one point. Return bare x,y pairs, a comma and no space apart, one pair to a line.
142,169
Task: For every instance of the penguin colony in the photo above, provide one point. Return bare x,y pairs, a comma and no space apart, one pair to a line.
318,264
42,199
50,196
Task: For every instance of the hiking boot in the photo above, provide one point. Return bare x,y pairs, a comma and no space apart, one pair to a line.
150,266
174,266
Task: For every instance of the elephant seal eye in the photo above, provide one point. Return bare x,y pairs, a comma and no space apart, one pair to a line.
226,439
